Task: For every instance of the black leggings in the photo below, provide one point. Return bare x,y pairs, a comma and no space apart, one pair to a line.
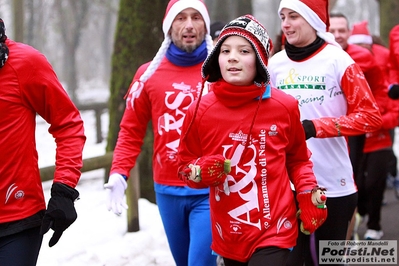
371,183
356,145
269,256
21,249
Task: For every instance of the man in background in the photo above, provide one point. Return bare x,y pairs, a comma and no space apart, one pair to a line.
161,92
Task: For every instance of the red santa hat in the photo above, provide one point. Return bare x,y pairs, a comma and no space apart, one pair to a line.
176,6
360,33
315,12
320,7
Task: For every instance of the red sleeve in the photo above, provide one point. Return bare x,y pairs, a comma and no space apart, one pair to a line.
133,129
42,92
389,110
394,55
367,62
362,115
185,155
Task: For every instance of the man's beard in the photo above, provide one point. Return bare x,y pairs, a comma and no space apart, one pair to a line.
189,48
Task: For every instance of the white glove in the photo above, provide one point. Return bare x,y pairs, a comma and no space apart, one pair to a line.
116,187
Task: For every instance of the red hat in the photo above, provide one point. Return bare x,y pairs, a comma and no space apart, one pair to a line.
254,32
320,7
176,6
360,33
315,12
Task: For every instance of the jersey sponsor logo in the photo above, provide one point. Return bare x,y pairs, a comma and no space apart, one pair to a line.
293,80
235,228
273,130
313,88
283,222
17,195
240,136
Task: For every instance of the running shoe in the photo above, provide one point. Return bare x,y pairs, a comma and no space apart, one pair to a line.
373,234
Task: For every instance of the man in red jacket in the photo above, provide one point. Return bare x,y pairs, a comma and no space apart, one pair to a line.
360,35
394,77
161,92
339,27
378,152
29,86
394,56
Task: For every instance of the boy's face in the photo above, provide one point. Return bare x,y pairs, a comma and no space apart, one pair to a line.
237,61
188,30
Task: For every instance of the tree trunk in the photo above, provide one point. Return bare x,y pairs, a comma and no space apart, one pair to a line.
389,10
31,23
75,13
69,59
106,43
137,39
226,10
331,4
18,9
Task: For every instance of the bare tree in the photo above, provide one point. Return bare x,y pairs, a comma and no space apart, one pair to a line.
98,37
18,10
389,10
37,14
72,18
331,4
226,10
138,37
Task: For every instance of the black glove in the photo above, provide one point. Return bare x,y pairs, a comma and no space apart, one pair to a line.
60,213
308,127
393,91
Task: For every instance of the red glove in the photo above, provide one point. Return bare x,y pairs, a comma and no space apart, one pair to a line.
211,170
312,209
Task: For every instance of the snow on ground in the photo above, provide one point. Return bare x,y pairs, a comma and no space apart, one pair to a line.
98,237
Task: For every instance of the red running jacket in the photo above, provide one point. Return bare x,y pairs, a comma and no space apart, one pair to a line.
29,86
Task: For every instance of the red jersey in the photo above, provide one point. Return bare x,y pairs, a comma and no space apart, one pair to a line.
367,63
29,86
377,80
394,55
164,100
381,56
259,209
381,139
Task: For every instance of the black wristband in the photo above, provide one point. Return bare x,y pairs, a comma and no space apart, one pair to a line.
308,127
393,91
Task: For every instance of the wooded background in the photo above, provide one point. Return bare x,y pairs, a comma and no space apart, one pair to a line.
107,40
